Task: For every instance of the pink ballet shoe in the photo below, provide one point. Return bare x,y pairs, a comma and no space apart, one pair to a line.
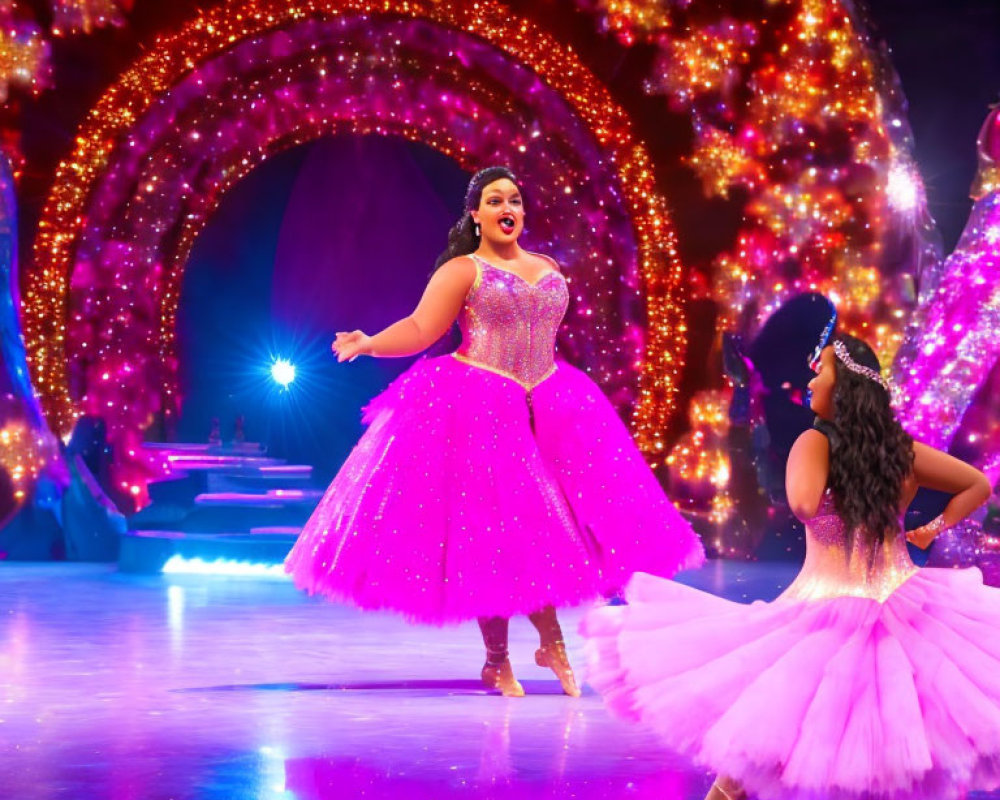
554,657
501,676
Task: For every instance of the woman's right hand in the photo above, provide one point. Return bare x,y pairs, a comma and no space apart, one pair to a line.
925,534
348,346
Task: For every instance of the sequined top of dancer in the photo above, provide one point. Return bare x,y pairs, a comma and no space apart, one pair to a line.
832,568
509,325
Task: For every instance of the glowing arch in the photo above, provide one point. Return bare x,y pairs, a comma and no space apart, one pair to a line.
244,81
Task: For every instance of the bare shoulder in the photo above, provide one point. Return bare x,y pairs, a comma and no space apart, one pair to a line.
810,445
543,261
924,451
461,269
806,474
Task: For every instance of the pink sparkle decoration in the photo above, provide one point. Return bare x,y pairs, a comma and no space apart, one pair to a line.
350,74
956,336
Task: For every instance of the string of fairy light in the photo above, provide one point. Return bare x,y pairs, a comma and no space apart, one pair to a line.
93,323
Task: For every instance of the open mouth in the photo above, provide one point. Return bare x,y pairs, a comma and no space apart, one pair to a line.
507,223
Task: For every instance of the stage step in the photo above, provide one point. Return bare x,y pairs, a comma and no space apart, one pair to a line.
182,486
232,504
272,498
147,551
260,479
277,530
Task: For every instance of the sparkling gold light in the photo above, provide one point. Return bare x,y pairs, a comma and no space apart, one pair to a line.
24,53
800,128
23,454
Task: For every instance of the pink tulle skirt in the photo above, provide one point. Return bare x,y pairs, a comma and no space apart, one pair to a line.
461,501
840,699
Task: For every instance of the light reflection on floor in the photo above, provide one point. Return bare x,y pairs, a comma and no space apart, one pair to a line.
133,688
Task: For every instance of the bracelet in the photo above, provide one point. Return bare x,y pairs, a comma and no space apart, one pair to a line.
932,528
936,525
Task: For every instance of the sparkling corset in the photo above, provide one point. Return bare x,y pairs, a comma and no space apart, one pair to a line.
509,325
829,572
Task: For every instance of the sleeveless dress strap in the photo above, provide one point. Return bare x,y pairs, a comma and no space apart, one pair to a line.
823,426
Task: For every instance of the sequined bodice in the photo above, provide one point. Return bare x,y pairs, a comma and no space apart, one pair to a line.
829,572
509,325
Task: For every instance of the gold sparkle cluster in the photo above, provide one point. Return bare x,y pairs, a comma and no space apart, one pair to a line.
705,60
699,464
24,53
23,454
25,48
722,164
794,118
638,19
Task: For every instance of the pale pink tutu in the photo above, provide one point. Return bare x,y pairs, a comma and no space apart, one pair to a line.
451,507
840,699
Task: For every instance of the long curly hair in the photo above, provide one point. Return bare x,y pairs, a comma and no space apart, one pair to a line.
462,238
870,453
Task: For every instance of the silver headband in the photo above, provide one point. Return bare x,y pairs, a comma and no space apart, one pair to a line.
840,349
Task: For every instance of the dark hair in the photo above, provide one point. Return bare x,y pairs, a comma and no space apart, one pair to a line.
462,238
870,453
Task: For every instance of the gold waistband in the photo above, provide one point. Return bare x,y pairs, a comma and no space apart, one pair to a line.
812,586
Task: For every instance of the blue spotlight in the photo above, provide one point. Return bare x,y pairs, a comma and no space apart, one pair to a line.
282,372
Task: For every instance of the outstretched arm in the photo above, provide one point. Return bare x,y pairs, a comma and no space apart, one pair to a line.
434,314
968,486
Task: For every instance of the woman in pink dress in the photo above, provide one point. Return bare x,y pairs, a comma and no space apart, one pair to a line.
496,480
868,678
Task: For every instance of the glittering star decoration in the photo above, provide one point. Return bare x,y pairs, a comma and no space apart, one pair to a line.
634,19
722,163
708,60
